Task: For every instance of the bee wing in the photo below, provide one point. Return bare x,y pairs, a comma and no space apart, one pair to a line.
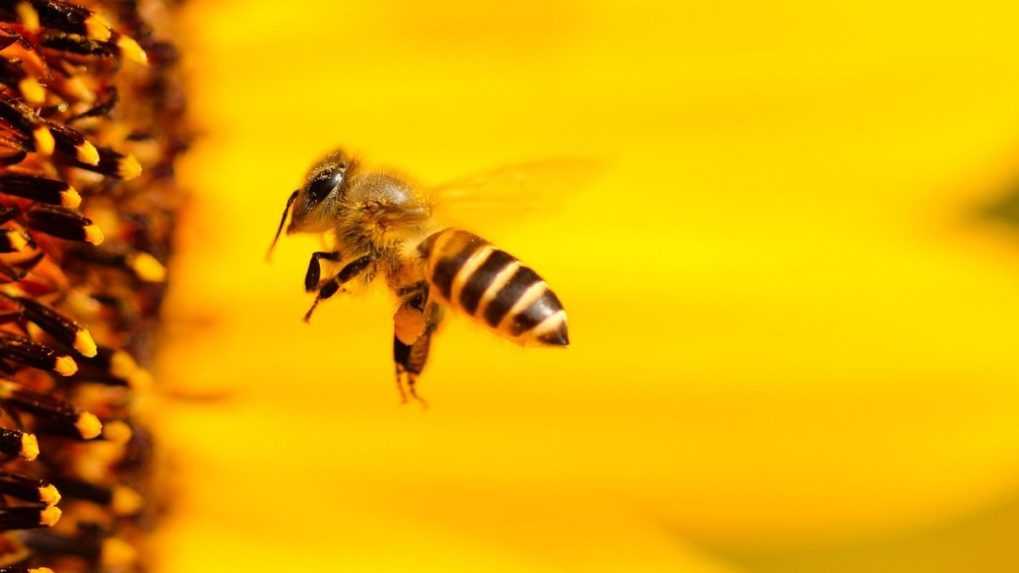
512,193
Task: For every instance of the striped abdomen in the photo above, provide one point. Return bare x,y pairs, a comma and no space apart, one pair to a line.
492,286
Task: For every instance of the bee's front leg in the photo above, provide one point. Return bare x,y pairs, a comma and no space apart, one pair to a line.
346,274
314,274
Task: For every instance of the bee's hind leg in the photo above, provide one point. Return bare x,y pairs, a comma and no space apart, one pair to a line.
401,382
414,323
410,361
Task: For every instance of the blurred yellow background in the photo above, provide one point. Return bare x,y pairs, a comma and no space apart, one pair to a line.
792,336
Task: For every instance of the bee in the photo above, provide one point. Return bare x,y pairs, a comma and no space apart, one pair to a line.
387,227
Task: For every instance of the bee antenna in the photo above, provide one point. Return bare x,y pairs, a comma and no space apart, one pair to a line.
283,220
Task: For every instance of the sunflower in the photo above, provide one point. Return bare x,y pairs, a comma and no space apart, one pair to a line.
90,128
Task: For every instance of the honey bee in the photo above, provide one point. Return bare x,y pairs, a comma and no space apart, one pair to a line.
385,226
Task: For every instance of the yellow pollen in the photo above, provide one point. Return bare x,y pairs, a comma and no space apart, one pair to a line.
147,268
87,153
85,344
70,198
49,495
118,553
65,366
49,516
44,142
40,570
129,168
28,16
117,432
97,28
140,379
29,447
126,501
93,235
132,50
88,425
77,87
122,365
17,241
32,90
13,290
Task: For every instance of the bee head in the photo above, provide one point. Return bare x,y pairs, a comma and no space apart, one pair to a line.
324,186
313,207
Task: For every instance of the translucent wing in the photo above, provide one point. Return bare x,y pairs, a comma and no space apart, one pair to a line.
512,193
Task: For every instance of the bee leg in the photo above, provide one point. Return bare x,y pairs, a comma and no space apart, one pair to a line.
414,323
332,286
313,276
410,361
408,326
401,353
399,379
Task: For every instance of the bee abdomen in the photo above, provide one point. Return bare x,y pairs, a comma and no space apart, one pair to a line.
494,287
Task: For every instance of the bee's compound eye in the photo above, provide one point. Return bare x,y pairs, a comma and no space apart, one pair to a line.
323,185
